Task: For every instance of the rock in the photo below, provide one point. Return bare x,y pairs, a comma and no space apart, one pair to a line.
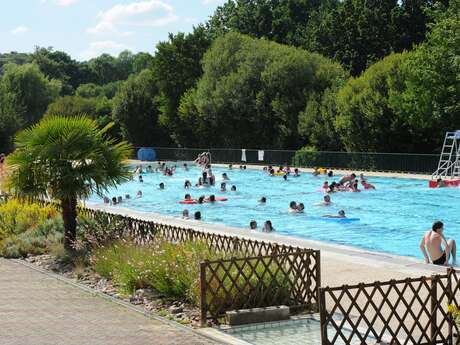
148,293
101,284
175,310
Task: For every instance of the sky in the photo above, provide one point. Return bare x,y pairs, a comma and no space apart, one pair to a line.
87,28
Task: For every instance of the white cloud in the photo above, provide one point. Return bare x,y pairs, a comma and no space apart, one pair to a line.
19,30
100,47
133,14
61,2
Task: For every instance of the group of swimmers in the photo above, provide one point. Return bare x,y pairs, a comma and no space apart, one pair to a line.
348,183
118,200
268,227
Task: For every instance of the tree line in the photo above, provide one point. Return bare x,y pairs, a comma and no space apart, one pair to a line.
349,75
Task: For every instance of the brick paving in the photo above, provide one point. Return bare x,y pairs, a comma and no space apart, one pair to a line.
36,309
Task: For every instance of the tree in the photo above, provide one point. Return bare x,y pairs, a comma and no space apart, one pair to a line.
135,111
367,119
252,92
10,121
29,91
67,159
430,100
177,68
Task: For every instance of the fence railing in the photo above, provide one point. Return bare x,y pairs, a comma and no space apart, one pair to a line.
397,162
289,279
264,274
409,311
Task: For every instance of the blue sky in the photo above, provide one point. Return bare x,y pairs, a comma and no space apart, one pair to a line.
87,28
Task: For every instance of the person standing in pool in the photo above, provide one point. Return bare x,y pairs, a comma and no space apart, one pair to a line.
348,179
432,242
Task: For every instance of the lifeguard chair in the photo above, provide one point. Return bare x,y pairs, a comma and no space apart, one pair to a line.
449,161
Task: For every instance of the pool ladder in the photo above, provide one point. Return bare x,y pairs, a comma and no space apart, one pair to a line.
449,161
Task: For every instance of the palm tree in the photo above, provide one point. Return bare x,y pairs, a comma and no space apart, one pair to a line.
67,158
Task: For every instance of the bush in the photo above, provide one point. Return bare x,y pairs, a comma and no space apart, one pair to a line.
17,217
34,241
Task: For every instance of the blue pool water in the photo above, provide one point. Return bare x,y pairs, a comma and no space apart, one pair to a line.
393,218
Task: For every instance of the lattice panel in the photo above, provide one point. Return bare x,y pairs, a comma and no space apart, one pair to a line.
409,311
282,279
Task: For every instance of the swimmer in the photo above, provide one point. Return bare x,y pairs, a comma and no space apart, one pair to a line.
326,200
440,183
223,187
197,215
253,225
285,177
119,200
114,201
225,177
367,185
272,172
230,167
106,200
300,208
432,243
347,179
241,167
201,199
187,184
185,214
187,197
354,186
233,189
161,185
341,214
330,173
262,200
326,186
149,169
292,207
141,179
268,227
315,172
127,196
212,198
244,167
296,172
185,167
139,194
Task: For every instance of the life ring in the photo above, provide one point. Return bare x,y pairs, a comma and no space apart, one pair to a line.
279,173
322,171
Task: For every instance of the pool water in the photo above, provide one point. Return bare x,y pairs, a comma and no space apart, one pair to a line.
392,218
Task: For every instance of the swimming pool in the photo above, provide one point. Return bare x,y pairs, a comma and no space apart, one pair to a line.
393,217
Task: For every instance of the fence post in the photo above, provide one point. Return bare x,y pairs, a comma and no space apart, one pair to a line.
450,298
203,304
434,308
322,315
318,276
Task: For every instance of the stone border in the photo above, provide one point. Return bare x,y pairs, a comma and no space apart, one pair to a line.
225,340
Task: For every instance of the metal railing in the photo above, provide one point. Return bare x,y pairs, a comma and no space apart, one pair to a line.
365,161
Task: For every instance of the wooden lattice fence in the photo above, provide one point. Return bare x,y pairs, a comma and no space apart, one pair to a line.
409,311
290,278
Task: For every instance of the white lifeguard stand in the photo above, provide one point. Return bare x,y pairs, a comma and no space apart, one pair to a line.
449,161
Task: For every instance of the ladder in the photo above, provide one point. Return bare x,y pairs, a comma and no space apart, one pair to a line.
449,161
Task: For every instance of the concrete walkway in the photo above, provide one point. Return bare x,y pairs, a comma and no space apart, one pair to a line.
37,309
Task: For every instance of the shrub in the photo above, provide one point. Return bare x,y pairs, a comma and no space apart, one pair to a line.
17,217
33,241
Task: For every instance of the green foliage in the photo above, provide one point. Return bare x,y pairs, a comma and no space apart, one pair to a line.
258,86
17,217
92,90
174,271
29,91
67,158
177,68
367,119
430,102
136,112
